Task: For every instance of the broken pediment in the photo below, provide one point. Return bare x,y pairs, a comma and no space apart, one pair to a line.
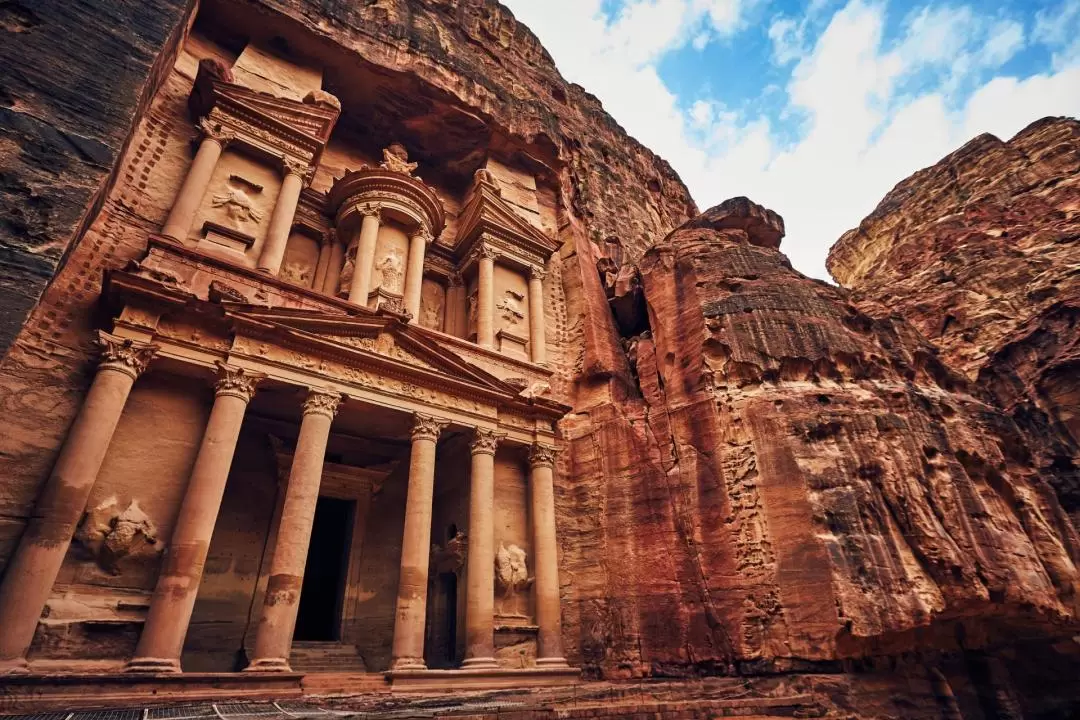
487,217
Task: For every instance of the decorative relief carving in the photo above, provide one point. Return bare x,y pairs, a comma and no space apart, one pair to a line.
236,382
238,206
510,307
396,159
322,402
296,271
511,571
347,270
484,441
123,354
392,269
474,309
431,306
450,558
385,345
110,534
426,427
542,456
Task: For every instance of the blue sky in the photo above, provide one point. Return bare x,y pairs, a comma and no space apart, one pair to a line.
815,109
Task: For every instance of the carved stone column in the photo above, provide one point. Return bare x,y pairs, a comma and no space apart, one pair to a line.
408,647
455,308
365,255
549,652
334,266
277,233
187,202
485,298
273,639
162,638
325,250
480,591
414,273
33,567
537,341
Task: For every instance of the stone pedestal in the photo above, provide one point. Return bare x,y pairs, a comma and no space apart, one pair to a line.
546,564
408,647
182,215
277,233
480,590
360,287
273,638
162,638
32,570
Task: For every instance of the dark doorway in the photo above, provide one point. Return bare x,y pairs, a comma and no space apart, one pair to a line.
319,615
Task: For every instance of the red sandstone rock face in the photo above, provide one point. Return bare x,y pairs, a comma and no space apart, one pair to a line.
782,477
979,252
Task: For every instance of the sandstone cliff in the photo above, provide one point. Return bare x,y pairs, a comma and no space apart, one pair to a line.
981,253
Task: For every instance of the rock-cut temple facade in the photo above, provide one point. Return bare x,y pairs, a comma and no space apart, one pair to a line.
348,347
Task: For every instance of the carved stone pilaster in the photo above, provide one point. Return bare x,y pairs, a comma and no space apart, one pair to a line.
322,402
213,131
125,355
236,382
485,441
542,456
426,427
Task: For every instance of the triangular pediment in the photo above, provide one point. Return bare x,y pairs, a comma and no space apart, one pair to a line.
366,338
314,120
487,212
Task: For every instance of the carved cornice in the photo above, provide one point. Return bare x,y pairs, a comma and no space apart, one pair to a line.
542,456
484,442
426,427
124,355
321,401
236,382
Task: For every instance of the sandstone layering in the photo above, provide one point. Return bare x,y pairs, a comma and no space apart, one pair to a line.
385,360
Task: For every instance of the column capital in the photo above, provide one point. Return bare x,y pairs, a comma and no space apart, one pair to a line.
125,355
370,210
486,252
426,427
292,166
423,233
236,382
321,401
485,441
216,132
537,272
455,280
542,455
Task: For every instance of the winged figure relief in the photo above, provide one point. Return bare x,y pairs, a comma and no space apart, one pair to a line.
238,206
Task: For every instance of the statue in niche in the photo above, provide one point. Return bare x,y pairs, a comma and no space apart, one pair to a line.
238,206
431,305
110,534
396,159
392,269
473,311
296,272
511,572
450,557
347,270
510,307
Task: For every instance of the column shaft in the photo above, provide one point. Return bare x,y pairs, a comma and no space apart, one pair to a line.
480,591
277,233
485,301
178,224
546,563
334,267
408,646
414,274
365,259
320,267
537,341
162,638
33,567
273,639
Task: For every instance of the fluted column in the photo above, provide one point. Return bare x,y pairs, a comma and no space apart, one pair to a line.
334,267
187,202
33,567
414,273
549,652
365,255
455,317
485,298
408,646
480,590
537,342
273,639
162,638
277,233
325,249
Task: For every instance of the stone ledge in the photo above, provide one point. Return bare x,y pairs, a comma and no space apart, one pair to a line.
455,680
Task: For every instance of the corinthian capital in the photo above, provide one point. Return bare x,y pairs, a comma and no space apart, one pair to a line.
370,210
216,132
236,382
125,355
426,427
292,166
542,456
485,441
536,272
321,401
486,252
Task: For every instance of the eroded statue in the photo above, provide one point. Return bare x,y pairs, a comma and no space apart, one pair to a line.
238,206
392,269
450,557
396,159
510,307
111,534
431,306
511,570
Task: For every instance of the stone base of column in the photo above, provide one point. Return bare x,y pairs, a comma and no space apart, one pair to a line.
552,662
269,665
18,666
409,664
152,665
479,663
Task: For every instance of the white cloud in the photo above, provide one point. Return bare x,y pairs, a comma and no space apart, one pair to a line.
1059,28
864,128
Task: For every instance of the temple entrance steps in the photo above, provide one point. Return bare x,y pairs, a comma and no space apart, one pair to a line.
343,684
325,657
